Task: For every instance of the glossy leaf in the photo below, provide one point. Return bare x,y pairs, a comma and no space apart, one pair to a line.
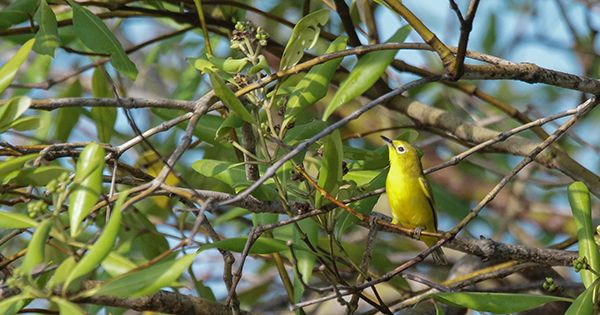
367,71
17,12
105,117
36,248
103,245
304,36
12,305
95,35
11,220
146,281
10,68
496,302
584,303
25,123
15,163
229,98
314,84
87,185
330,173
115,264
65,307
579,199
46,38
12,110
262,245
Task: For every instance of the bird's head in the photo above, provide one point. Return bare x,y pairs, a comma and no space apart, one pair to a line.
401,152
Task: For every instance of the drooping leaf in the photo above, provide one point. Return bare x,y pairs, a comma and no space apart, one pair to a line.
10,68
367,71
11,220
105,117
115,264
229,98
36,248
330,172
146,281
304,35
314,84
95,35
306,258
46,38
39,176
579,199
496,302
263,245
66,118
87,185
102,246
62,272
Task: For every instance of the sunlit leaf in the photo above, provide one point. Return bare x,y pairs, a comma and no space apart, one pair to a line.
36,248
11,220
496,302
304,35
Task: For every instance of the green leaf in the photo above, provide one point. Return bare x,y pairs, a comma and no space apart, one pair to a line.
36,248
87,185
46,38
262,245
146,281
306,259
9,220
367,71
13,304
115,264
314,84
9,69
25,123
62,272
15,163
105,117
66,307
232,121
489,41
364,206
17,12
304,36
13,109
95,35
229,98
496,302
584,303
102,246
67,117
330,173
579,199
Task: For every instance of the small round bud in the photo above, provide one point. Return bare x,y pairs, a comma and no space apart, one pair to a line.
289,243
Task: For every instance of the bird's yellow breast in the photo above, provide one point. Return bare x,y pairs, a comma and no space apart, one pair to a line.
408,202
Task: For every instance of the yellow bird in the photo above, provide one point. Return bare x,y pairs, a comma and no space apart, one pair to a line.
409,194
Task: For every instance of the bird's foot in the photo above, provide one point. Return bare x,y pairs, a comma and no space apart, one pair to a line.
417,233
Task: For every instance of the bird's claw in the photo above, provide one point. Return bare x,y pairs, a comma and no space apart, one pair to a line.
417,233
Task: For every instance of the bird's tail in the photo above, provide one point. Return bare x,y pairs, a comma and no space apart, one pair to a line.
439,257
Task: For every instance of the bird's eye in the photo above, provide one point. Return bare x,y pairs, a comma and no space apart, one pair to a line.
400,149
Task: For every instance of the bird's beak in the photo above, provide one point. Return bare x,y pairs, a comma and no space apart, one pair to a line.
388,140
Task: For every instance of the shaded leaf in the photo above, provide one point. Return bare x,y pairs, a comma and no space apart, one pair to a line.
46,38
330,172
229,98
105,117
66,307
95,35
17,12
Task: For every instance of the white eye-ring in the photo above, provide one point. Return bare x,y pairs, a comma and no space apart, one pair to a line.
400,149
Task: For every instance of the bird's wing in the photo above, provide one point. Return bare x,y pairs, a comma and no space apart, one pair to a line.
427,191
